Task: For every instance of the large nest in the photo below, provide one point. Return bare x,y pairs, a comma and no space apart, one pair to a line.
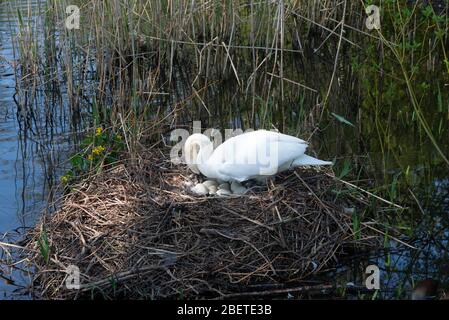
137,232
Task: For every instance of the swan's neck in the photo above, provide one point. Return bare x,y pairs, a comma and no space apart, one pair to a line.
204,155
199,149
193,167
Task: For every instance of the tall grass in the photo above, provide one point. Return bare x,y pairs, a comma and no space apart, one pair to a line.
142,66
144,54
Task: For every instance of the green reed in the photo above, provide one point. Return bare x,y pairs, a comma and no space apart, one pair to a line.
309,68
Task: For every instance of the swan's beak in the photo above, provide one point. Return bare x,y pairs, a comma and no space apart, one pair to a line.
194,168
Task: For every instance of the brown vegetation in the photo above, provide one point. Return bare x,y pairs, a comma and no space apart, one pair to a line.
137,232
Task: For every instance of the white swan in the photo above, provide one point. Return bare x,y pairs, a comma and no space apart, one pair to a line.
252,155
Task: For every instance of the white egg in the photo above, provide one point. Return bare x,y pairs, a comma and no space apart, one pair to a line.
200,189
237,188
224,186
213,190
223,193
210,183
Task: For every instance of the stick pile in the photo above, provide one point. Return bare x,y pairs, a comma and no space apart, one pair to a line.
137,232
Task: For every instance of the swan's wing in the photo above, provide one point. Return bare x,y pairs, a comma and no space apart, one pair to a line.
240,173
254,154
280,136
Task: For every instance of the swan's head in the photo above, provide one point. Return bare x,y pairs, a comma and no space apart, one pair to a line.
195,144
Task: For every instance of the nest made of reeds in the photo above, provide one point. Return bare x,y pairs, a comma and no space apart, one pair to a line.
135,231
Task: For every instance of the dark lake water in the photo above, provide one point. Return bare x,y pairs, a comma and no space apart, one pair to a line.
27,160
400,161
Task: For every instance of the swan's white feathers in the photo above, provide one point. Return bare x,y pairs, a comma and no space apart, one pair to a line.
250,155
255,154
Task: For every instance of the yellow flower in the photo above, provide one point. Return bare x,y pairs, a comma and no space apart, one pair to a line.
97,150
90,157
65,179
99,131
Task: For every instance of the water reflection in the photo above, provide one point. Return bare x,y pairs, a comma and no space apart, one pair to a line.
28,161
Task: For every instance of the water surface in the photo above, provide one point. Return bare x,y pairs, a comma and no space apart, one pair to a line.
27,160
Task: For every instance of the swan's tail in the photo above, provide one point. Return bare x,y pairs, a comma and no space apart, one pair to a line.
306,160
